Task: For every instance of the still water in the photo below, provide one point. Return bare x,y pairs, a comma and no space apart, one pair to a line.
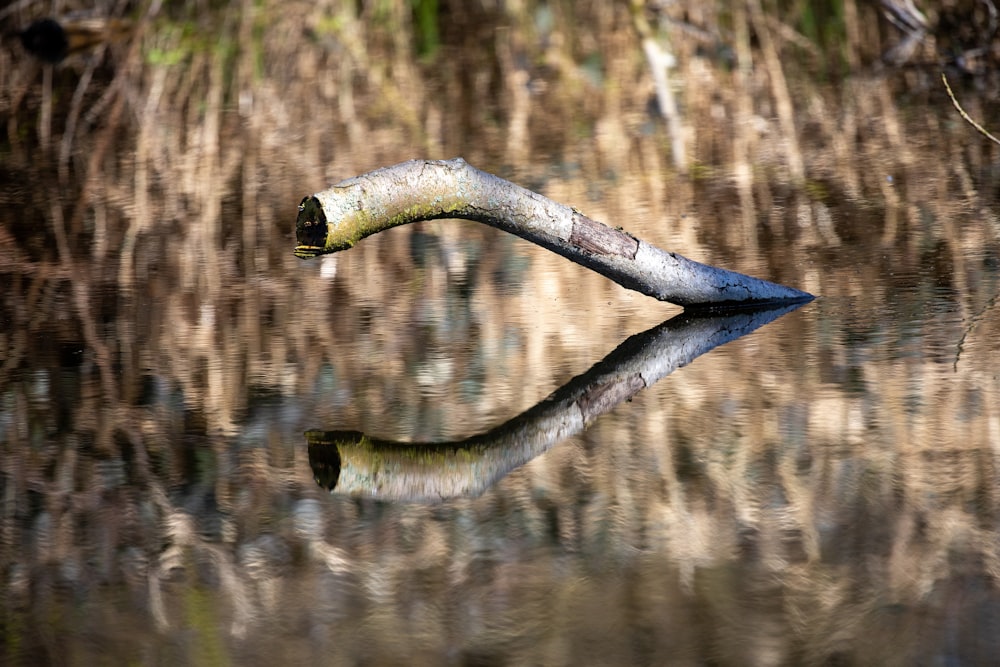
447,446
821,489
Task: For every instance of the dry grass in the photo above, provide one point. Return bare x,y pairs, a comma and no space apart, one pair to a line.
147,206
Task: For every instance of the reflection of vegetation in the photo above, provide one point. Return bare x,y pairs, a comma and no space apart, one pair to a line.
144,222
207,647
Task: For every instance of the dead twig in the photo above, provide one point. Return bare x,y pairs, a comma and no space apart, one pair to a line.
967,117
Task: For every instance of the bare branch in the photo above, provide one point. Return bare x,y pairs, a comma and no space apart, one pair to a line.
339,217
966,116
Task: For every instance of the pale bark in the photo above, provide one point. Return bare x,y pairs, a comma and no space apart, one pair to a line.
339,217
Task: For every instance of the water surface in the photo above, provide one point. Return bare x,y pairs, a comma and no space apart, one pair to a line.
822,490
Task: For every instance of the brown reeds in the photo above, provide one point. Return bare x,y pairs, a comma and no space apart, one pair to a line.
800,514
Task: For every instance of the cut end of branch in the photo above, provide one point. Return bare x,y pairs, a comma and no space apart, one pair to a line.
310,228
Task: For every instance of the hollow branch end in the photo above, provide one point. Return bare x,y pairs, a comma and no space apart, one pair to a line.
311,228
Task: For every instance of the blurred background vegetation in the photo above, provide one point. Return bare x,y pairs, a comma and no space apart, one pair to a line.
193,103
160,342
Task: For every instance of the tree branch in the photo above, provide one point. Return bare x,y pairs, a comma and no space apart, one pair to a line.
339,217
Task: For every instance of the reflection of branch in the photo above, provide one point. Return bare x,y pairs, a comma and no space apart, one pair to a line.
983,131
352,463
337,218
973,323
